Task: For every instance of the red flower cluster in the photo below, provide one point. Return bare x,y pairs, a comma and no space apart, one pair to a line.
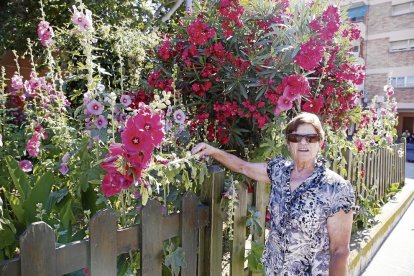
165,50
310,54
154,80
351,72
325,26
124,162
328,24
232,11
199,32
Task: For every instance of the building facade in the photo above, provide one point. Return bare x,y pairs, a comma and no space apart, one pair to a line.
387,47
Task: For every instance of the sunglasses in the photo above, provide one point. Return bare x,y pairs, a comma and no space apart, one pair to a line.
296,138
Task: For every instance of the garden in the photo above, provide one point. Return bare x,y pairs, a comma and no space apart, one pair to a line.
118,95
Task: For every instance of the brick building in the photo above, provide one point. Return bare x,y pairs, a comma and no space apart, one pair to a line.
387,47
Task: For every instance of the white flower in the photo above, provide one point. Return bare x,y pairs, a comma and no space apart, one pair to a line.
179,116
100,87
1,140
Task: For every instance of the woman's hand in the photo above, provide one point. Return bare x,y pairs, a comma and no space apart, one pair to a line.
203,149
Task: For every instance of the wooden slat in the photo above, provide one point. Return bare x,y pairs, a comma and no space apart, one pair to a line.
261,200
72,256
127,239
349,160
103,244
239,233
371,170
37,247
189,233
202,251
211,195
10,267
151,239
376,170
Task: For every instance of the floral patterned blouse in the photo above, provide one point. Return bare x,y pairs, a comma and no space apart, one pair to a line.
298,241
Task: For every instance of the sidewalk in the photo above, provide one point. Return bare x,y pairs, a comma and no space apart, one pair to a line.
396,255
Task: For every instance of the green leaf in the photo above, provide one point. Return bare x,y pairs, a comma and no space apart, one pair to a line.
254,263
19,178
144,194
66,215
175,259
186,180
7,235
16,205
39,194
56,197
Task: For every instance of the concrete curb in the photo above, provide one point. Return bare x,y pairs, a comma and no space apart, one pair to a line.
366,243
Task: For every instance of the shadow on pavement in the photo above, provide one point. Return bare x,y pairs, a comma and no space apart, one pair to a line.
410,153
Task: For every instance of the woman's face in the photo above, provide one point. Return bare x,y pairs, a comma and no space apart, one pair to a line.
304,151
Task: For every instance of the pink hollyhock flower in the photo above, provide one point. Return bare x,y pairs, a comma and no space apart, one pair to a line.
64,169
294,86
359,144
45,33
83,20
17,82
389,90
284,103
33,145
138,162
151,126
125,100
101,122
134,138
169,111
113,183
26,165
94,107
168,125
113,161
66,158
179,116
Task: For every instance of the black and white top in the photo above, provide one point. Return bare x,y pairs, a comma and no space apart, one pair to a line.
298,241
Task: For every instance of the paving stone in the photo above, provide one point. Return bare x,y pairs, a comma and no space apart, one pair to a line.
396,255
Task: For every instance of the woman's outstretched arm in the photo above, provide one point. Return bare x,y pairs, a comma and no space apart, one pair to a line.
255,171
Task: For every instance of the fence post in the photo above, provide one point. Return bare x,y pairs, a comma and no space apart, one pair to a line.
151,239
189,233
37,250
103,243
211,239
239,234
260,200
402,172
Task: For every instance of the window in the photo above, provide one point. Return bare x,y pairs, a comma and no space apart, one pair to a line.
357,14
402,45
407,81
403,8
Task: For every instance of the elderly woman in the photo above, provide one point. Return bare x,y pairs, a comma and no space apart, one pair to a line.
310,205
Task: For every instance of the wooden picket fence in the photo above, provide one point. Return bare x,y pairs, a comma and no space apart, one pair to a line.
200,228
195,224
